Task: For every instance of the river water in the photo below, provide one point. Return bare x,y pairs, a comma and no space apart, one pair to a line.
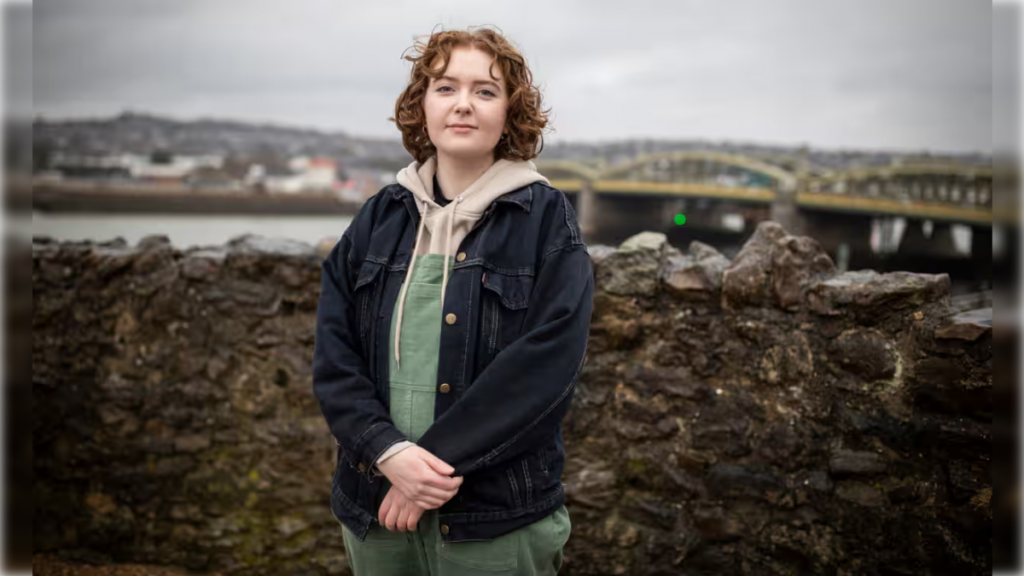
186,230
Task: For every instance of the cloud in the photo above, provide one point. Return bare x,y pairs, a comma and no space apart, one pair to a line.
873,73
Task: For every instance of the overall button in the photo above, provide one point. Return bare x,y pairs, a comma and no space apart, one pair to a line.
444,528
461,256
450,318
445,387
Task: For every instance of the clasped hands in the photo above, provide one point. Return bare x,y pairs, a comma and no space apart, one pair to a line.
420,481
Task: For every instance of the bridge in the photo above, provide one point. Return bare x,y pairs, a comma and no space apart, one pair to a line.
723,195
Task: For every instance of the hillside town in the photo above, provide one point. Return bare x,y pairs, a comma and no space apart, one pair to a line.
142,150
216,172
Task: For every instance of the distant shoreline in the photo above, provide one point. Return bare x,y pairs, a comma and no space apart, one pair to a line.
84,197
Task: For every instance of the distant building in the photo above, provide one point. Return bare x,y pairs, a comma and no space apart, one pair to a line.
89,166
302,174
159,167
319,173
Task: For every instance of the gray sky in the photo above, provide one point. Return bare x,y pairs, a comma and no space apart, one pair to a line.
889,74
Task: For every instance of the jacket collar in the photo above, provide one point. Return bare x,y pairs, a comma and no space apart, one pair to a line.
522,197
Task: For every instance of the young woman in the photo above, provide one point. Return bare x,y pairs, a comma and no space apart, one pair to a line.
519,277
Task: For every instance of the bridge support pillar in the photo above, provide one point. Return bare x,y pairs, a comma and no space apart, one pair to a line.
833,230
587,216
613,218
942,243
785,211
982,254
913,240
981,243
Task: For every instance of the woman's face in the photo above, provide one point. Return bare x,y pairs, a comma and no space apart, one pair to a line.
466,95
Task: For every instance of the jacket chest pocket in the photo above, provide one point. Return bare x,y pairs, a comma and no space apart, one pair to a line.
366,296
504,300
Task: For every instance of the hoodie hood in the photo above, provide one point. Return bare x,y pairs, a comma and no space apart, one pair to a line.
442,228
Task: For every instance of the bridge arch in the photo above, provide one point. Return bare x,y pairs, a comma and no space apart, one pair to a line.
679,165
566,170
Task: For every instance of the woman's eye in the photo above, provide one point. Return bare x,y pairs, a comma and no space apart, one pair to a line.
487,92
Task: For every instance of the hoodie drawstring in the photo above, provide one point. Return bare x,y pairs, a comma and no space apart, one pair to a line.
408,273
405,285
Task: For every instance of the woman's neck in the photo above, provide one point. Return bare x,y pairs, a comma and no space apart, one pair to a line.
455,175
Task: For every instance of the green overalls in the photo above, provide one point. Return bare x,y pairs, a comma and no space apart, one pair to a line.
532,549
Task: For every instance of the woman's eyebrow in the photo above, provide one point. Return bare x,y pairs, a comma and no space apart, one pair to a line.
456,80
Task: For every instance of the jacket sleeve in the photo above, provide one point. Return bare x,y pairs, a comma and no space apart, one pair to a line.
357,418
540,368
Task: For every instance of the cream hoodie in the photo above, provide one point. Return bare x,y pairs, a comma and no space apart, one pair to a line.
446,226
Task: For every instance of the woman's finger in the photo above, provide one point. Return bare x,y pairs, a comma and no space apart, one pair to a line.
385,506
414,517
402,525
426,492
392,518
432,478
430,503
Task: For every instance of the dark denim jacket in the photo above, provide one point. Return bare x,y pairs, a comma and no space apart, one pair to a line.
522,297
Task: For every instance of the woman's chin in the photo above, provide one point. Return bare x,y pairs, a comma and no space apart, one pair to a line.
464,150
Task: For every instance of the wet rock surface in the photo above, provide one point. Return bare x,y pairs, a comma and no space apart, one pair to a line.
765,415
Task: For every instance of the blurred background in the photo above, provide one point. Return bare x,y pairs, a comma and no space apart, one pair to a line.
864,125
886,130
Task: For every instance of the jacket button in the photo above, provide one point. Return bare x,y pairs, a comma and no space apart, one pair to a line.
450,318
444,528
445,387
362,467
461,256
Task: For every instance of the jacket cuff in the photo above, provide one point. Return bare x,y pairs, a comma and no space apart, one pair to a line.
378,439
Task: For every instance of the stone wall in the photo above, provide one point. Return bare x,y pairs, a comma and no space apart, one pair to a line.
764,415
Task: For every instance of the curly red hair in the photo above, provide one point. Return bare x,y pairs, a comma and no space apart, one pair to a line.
524,121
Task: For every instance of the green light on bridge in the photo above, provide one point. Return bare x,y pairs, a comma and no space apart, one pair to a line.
680,219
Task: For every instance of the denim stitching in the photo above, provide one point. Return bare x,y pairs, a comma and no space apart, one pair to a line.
523,271
350,506
501,515
359,440
515,487
465,347
361,300
364,327
565,392
529,486
495,320
568,223
555,249
508,302
370,276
